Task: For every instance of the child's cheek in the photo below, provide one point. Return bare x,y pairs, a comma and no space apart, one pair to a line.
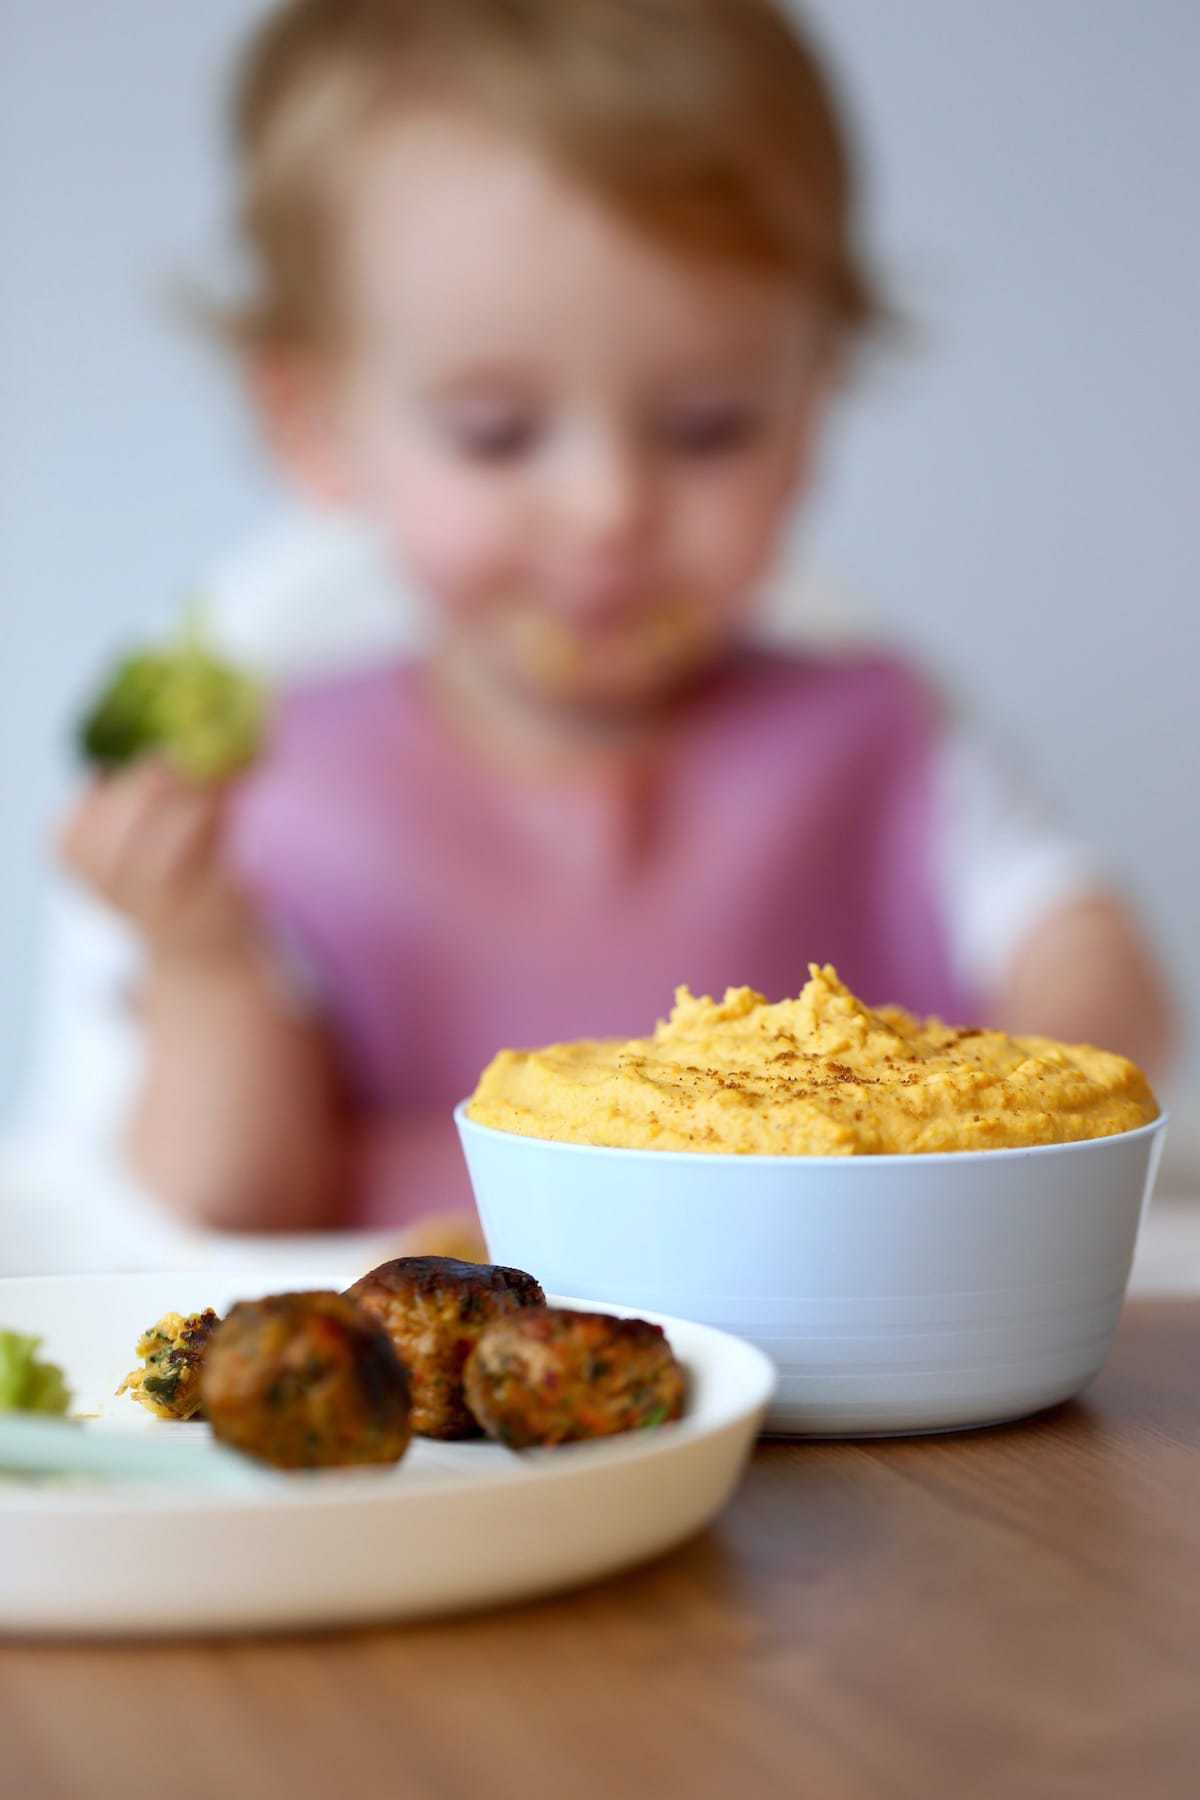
453,539
728,531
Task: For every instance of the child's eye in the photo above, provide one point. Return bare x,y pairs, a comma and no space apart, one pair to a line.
493,437
710,431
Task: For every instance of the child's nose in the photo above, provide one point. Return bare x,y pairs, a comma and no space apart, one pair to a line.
605,498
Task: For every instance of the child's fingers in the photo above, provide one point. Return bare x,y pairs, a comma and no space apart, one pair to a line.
112,831
205,866
121,825
455,1234
86,839
74,832
149,842
173,857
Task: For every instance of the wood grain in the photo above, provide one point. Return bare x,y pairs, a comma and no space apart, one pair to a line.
1013,1612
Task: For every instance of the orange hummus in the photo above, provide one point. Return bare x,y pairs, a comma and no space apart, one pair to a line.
821,1075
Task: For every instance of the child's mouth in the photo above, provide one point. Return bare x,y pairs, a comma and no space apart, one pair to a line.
587,650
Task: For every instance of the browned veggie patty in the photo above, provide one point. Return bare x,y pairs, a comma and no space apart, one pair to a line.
434,1309
306,1381
172,1353
555,1376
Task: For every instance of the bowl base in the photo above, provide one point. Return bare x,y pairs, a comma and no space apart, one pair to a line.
831,1434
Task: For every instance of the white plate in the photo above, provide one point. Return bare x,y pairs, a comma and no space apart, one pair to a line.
454,1526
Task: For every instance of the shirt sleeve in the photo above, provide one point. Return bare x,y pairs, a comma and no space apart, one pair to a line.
1003,862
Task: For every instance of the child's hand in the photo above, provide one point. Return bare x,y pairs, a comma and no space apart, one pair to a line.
455,1234
148,842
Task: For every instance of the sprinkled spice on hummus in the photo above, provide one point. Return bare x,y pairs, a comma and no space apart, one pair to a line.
821,1075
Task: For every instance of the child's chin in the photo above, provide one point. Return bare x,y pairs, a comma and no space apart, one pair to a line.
600,691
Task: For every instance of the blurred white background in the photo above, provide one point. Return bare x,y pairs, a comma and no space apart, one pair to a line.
1016,498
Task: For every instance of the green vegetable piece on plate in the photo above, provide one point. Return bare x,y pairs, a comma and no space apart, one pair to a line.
26,1384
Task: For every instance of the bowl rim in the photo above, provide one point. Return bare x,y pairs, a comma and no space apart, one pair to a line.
891,1160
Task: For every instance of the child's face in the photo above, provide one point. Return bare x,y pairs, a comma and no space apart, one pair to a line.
581,446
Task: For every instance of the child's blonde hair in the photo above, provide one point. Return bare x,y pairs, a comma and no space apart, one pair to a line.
707,123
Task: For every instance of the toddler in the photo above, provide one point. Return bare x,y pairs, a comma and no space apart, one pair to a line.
556,296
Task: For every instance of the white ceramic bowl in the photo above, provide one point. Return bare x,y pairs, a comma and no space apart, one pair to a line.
893,1293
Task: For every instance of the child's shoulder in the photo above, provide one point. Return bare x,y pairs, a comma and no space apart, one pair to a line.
344,701
874,680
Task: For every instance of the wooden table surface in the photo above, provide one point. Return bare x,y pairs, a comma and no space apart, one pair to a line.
1007,1612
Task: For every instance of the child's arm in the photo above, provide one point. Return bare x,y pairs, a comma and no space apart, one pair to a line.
1040,935
1085,975
238,1123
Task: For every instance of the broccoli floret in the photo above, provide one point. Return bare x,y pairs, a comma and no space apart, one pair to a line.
124,720
199,710
26,1384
